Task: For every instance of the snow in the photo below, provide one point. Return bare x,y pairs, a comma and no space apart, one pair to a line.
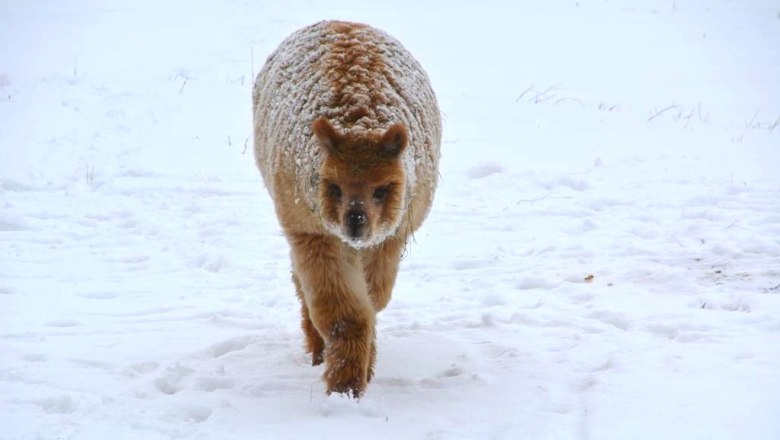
602,259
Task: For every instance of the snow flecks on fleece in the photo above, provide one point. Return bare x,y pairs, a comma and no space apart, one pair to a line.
304,79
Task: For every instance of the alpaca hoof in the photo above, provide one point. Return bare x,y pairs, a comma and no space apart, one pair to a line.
345,377
352,388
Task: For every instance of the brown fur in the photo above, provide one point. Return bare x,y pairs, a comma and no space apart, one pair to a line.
347,135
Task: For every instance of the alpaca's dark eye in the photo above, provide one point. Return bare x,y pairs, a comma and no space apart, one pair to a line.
380,193
334,191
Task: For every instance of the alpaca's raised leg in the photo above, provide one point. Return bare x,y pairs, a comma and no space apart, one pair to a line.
336,297
381,267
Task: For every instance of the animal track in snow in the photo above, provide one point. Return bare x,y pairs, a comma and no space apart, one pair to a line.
484,170
536,282
171,382
54,405
211,384
13,222
189,413
616,320
35,357
168,384
234,344
141,368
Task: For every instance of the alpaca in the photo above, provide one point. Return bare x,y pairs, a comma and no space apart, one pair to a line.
347,135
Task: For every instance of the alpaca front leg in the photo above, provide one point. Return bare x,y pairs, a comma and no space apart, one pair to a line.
314,342
381,268
349,357
336,297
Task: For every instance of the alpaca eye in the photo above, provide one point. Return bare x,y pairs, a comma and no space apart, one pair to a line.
380,193
334,191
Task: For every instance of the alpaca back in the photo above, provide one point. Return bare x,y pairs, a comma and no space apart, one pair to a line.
363,81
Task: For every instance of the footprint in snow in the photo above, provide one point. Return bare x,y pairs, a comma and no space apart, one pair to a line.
483,170
228,346
188,413
211,384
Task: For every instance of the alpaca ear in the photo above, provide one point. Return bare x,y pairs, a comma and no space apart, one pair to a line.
327,136
394,141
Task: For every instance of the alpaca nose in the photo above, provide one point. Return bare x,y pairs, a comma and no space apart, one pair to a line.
356,218
355,222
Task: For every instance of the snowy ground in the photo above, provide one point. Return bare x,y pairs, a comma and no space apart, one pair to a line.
602,260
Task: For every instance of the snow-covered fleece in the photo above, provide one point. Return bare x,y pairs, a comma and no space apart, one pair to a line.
362,80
